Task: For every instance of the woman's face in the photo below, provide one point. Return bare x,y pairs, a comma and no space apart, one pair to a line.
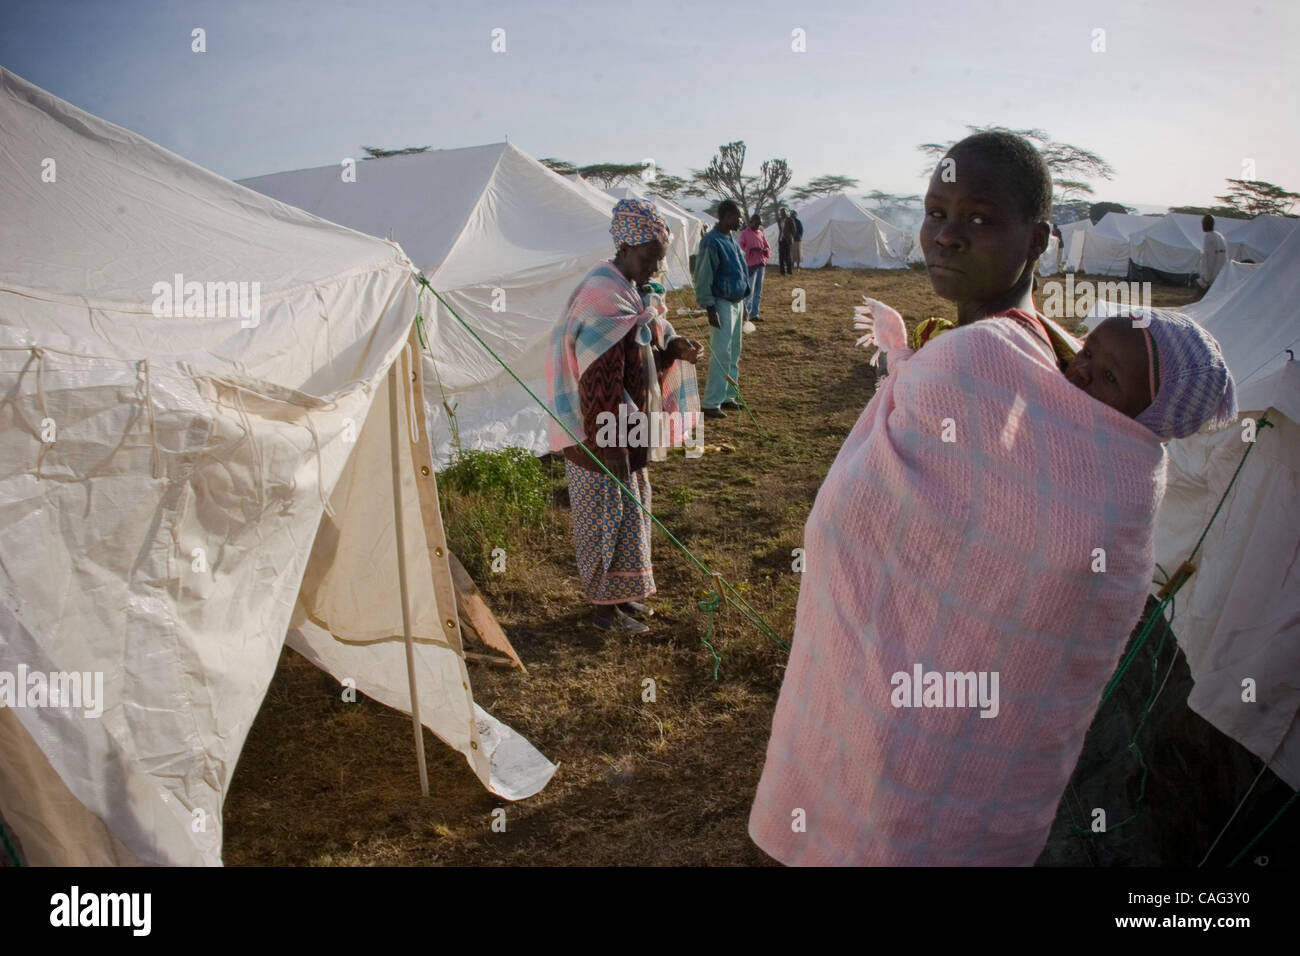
755,223
640,262
1113,367
976,241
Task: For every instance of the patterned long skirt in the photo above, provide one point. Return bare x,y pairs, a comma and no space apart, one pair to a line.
611,535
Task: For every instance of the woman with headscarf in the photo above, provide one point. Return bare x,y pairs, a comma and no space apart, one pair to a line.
623,382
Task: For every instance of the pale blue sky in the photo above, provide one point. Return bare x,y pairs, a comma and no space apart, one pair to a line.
1184,92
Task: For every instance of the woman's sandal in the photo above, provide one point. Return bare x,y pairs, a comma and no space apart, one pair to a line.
620,624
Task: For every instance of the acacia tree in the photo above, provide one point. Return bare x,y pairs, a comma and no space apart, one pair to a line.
888,205
1070,165
377,152
611,174
667,186
823,186
1098,209
1254,197
561,166
724,178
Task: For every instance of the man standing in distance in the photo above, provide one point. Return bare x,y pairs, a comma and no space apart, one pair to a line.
721,285
785,242
1214,252
798,239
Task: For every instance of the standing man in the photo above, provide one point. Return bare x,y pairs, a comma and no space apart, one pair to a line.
721,285
757,251
1214,252
798,239
785,242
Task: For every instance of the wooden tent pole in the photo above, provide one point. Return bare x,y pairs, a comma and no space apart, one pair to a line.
394,435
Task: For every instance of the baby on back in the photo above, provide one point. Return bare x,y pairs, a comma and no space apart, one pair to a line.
1159,368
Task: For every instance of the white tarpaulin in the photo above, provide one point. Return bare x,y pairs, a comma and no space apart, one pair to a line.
840,231
164,480
503,239
1238,617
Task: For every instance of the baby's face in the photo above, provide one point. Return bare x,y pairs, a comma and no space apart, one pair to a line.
1112,367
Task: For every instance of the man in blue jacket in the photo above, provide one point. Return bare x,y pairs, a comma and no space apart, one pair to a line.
721,286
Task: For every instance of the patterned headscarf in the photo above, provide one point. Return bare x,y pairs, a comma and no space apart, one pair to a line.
637,221
1191,381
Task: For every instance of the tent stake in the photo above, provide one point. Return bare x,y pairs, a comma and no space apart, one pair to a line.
393,433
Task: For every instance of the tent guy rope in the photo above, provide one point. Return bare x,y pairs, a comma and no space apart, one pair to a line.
734,597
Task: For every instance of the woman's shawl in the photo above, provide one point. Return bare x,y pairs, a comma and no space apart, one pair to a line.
603,309
983,542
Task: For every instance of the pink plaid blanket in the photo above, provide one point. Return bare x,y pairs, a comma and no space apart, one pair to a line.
601,311
976,559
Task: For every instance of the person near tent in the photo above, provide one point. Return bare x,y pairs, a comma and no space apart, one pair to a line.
753,243
785,241
721,286
797,256
1214,252
614,353
983,548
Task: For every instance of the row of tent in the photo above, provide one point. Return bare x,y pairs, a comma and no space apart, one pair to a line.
504,241
185,493
1169,245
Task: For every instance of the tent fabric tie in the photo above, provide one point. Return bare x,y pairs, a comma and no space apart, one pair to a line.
329,342
39,356
155,458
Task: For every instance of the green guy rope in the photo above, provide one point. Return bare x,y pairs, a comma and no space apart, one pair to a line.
735,597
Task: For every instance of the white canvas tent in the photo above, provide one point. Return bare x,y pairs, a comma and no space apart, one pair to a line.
1236,618
1108,246
180,490
1259,238
503,239
840,231
1173,245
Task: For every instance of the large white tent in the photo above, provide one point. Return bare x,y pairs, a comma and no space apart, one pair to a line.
1259,238
1108,246
839,231
1173,245
1236,618
503,239
181,486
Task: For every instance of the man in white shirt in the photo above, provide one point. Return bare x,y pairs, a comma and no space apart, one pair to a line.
1214,252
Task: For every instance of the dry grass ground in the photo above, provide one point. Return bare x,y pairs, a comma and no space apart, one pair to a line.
323,782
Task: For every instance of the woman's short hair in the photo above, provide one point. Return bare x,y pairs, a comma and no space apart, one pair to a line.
1023,170
728,205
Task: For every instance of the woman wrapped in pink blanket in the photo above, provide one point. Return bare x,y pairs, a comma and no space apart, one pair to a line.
978,553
